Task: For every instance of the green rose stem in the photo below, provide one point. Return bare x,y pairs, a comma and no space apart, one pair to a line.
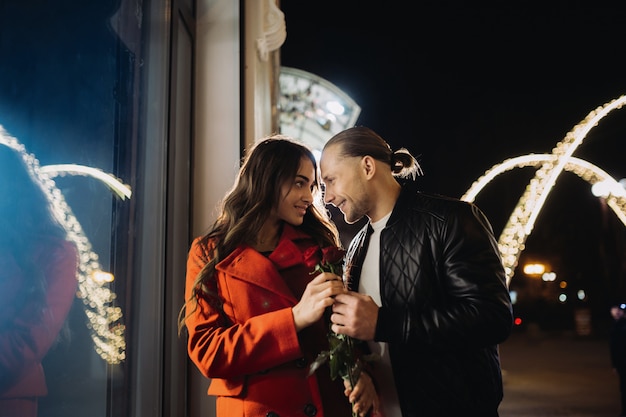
353,378
340,357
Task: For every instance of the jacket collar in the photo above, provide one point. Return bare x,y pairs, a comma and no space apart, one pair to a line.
409,189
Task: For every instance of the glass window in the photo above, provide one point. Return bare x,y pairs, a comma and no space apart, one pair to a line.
85,92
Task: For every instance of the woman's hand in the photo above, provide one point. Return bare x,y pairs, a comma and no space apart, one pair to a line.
317,296
363,397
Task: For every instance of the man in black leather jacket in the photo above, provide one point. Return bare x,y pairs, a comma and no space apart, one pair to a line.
428,288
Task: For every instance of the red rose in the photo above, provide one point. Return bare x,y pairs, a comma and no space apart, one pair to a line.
328,259
332,259
312,257
332,255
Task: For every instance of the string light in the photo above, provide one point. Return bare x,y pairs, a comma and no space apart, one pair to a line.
521,222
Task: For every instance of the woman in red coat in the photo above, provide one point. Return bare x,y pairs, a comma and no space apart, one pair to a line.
254,306
37,285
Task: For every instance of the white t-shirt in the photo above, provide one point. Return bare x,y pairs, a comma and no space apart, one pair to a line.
370,284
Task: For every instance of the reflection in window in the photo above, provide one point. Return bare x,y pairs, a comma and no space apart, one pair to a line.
35,277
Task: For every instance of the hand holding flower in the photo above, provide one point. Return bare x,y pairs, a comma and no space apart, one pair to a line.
317,297
347,307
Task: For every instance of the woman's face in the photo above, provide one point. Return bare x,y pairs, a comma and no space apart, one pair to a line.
297,196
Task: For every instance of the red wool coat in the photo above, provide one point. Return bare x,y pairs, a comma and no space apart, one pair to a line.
259,365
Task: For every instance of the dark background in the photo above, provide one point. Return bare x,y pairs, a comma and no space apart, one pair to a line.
466,85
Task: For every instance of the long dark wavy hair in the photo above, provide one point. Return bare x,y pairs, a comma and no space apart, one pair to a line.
271,163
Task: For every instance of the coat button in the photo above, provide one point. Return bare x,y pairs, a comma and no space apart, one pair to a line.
271,414
301,363
310,410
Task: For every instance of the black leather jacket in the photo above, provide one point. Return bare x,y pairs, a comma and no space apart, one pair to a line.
445,305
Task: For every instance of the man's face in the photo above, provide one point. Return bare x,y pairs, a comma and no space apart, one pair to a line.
345,186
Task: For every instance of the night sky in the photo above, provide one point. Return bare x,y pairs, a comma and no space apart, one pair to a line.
464,86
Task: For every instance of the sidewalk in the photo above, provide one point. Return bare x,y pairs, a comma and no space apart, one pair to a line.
558,375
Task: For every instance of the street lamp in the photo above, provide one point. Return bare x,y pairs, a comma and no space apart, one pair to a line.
534,269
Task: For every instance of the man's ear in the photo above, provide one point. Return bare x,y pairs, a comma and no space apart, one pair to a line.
368,164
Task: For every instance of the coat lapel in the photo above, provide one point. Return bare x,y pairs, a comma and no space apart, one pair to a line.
246,264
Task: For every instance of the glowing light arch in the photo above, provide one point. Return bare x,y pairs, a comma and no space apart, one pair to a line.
522,219
122,190
616,199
